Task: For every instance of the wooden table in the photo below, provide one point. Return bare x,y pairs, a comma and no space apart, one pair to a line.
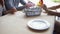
17,24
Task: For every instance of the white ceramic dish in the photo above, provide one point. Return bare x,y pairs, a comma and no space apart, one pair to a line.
38,24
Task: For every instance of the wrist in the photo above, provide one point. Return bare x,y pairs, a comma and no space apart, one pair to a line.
12,10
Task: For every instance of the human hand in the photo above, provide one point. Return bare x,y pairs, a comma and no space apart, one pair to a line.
30,5
12,11
45,8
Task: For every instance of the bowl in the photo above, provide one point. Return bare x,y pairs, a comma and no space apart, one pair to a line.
33,11
38,24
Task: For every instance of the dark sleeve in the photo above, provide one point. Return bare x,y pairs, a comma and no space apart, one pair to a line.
22,2
9,4
20,8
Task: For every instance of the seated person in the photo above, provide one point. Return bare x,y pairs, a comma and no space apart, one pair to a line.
12,5
57,24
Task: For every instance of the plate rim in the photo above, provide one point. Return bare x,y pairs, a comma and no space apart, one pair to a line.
38,19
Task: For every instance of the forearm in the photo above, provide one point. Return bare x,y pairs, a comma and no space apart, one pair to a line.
49,11
53,13
20,8
22,2
54,7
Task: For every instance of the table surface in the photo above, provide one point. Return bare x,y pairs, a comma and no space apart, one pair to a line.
17,24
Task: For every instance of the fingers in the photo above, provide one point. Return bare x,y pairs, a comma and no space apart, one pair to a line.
44,6
30,4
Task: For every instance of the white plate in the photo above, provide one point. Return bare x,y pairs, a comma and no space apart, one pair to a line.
38,24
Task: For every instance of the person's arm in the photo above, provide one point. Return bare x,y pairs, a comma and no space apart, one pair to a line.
23,2
53,13
54,7
22,7
25,5
50,12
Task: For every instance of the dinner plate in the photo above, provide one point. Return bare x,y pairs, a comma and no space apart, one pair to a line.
38,24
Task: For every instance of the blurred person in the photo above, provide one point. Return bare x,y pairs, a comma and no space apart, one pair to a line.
49,12
12,6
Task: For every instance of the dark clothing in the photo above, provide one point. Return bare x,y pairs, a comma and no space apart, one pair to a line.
14,3
57,27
